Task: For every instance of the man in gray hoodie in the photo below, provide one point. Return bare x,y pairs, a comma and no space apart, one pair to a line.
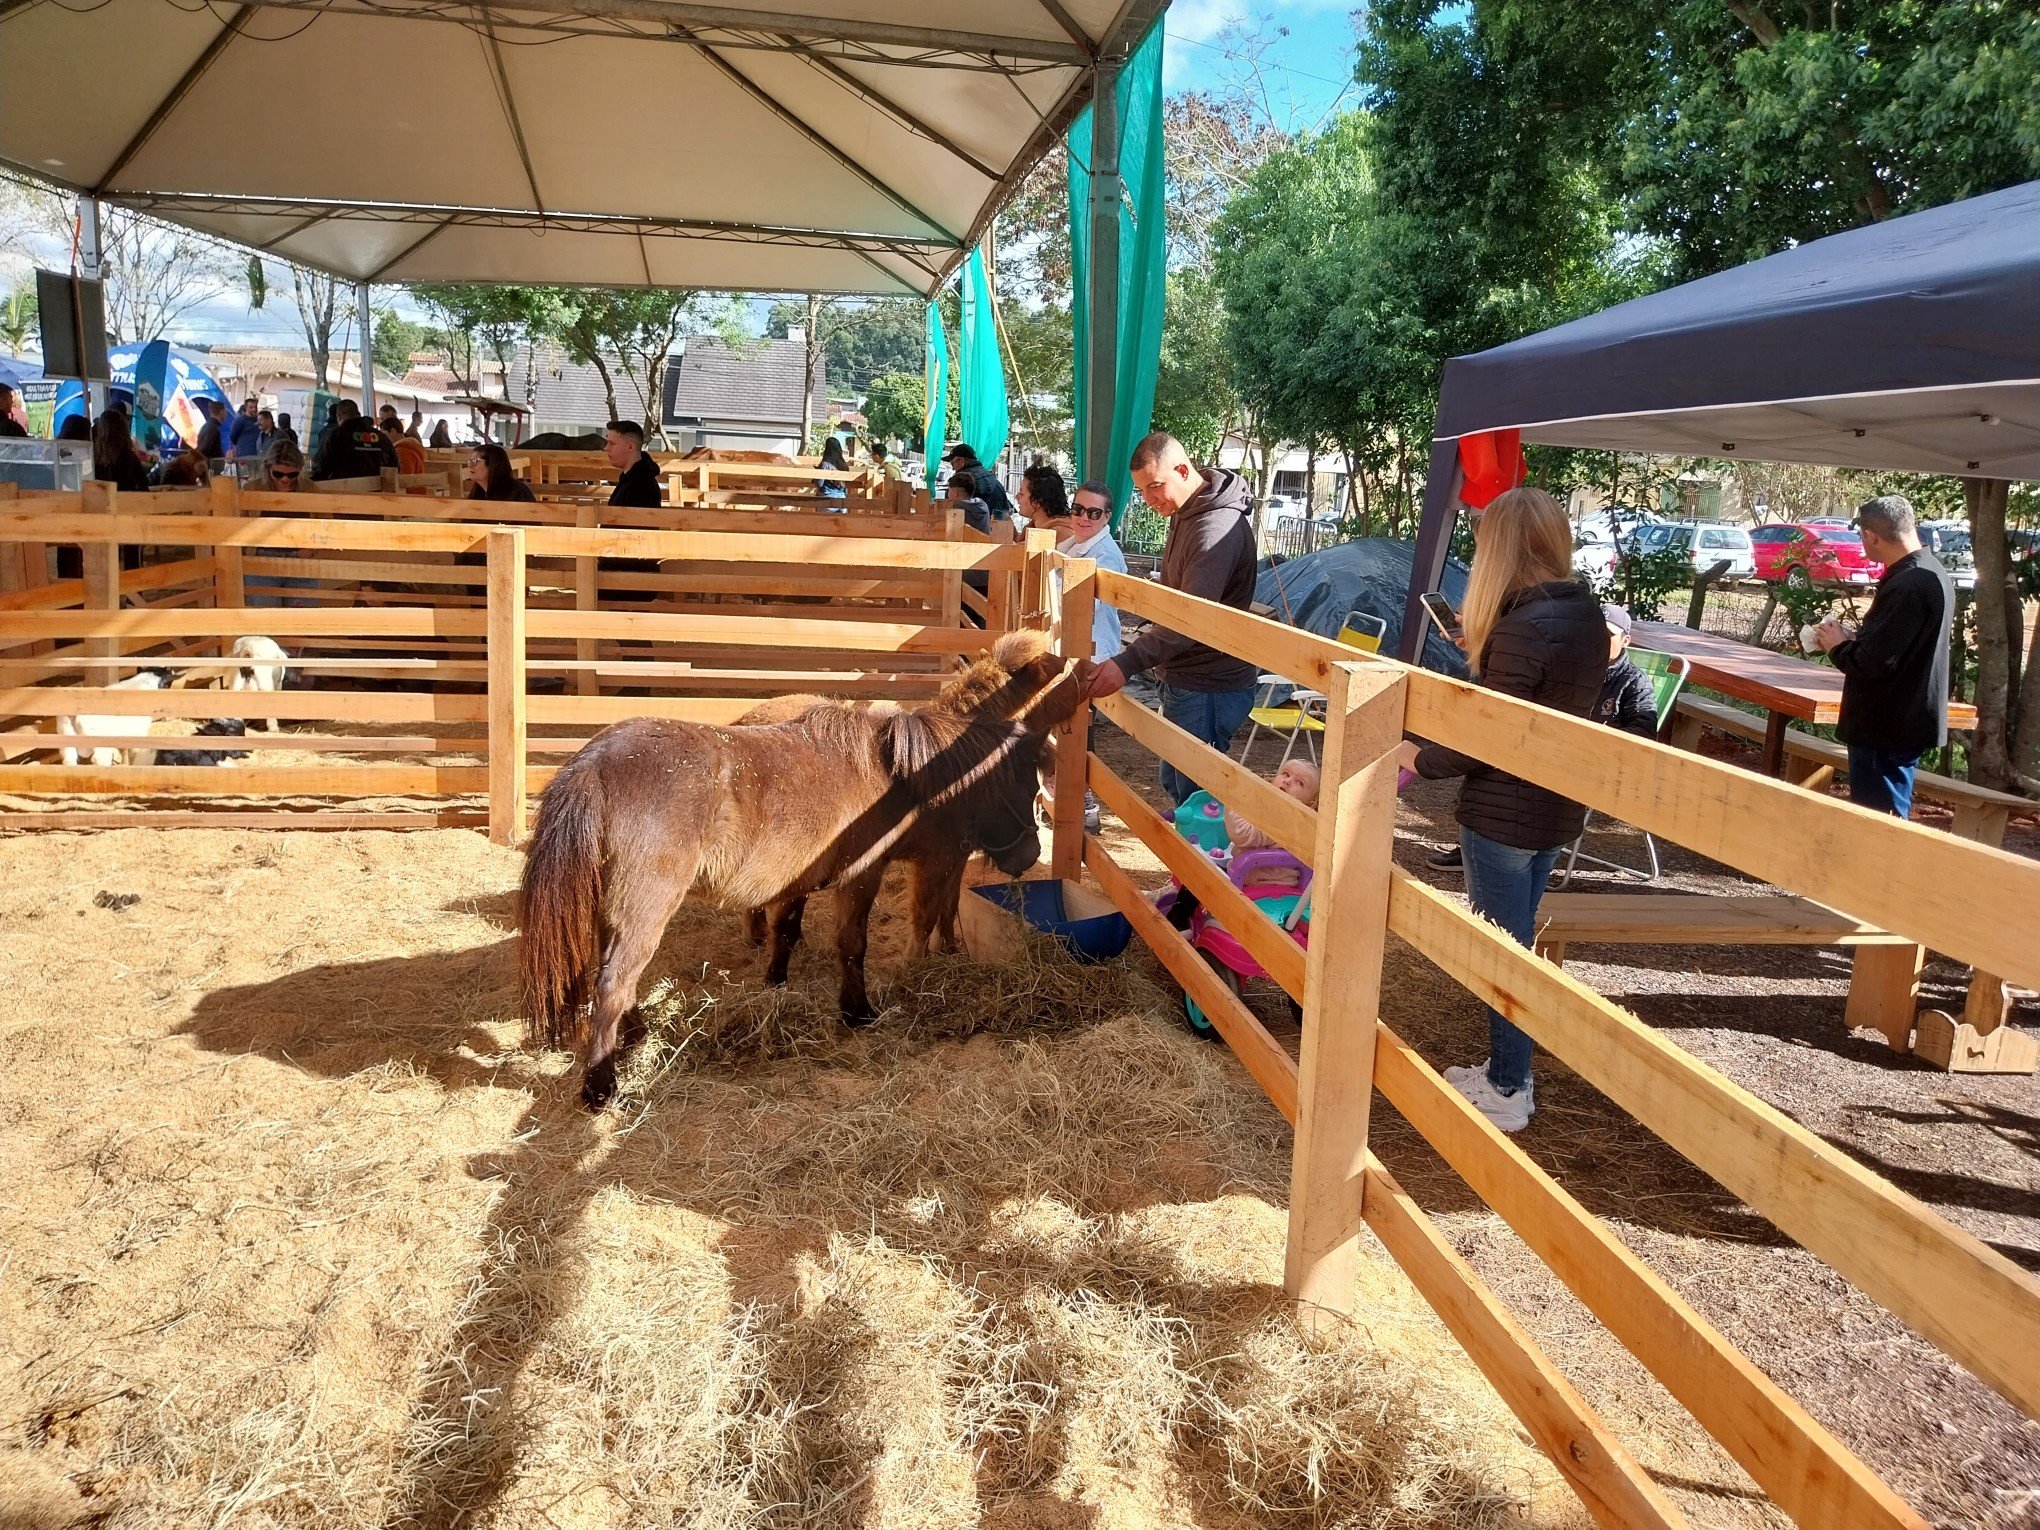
1209,553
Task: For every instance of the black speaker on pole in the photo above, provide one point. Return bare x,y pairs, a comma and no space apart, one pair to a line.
73,325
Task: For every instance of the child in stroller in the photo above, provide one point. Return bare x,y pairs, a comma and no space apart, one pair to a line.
1276,880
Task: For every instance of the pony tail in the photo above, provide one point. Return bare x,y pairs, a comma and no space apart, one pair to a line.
560,908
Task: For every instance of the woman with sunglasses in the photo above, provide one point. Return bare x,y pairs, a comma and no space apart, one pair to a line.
283,472
1083,529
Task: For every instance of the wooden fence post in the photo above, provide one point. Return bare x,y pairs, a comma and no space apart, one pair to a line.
586,589
1342,982
1037,609
507,731
101,567
952,579
1073,738
230,590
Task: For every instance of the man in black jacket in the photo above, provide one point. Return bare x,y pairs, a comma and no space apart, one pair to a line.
1895,670
9,425
1209,553
637,488
353,447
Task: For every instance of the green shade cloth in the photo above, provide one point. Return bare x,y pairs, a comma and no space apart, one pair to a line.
981,374
1137,94
935,374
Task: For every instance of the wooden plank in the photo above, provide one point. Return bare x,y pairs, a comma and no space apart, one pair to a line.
508,727
1342,998
334,780
1300,656
1969,901
1699,919
230,589
746,631
102,576
1616,1491
1285,820
268,621
1266,941
600,711
308,743
1072,746
1884,990
1806,1471
60,819
1949,1286
586,597
318,706
1259,1053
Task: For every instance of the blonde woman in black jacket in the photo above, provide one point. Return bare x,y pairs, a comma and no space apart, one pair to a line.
1534,632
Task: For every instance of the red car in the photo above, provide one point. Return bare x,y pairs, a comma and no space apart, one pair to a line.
1803,556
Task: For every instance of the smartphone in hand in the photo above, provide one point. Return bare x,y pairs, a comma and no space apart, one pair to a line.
1443,617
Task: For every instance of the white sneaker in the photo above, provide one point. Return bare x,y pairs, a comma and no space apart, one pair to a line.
1509,1112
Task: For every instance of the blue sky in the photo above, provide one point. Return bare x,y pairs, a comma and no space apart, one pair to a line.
1306,55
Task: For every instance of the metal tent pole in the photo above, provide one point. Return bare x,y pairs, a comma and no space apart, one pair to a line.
94,396
367,349
1106,190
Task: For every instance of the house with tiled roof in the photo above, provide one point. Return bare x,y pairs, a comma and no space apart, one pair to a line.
750,396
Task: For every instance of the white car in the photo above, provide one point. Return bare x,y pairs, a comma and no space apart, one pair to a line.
1705,543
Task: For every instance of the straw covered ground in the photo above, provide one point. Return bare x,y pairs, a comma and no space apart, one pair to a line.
294,1233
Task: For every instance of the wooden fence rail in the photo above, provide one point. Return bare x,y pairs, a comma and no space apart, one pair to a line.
1972,902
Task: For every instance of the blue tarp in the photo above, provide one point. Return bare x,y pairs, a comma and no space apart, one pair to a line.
1316,591
14,371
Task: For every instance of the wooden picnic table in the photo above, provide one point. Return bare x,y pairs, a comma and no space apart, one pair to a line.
1787,688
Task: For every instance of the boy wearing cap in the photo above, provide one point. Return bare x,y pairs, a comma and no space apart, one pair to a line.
1628,696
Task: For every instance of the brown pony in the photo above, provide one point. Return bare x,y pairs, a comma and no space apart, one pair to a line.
1018,674
650,811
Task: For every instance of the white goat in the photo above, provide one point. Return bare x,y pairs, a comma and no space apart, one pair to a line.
262,668
113,727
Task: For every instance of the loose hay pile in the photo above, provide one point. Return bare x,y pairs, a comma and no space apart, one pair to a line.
297,1235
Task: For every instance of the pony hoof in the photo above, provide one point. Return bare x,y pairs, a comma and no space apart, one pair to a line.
599,1087
859,1019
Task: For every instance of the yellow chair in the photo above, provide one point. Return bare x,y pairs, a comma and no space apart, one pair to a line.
1303,714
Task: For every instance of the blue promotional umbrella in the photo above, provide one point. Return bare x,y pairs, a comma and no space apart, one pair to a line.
14,371
187,378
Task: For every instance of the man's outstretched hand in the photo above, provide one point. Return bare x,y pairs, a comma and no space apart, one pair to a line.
1107,679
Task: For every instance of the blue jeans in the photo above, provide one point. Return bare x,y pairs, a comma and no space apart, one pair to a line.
1881,780
1212,717
1505,885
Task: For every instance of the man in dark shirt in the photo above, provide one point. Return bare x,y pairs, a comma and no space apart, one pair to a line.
1210,553
637,488
984,483
637,476
212,435
353,447
1895,669
244,434
9,425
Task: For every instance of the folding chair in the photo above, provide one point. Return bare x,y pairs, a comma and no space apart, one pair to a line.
1668,677
1301,716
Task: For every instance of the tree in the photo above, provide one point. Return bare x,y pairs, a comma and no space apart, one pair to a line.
1194,399
896,406
630,332
395,338
862,339
155,273
20,318
499,318
319,314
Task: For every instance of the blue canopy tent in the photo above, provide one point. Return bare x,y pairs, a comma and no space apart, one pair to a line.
188,376
14,371
1912,344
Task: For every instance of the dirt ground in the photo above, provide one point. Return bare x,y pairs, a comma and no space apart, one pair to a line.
296,1233
1770,1018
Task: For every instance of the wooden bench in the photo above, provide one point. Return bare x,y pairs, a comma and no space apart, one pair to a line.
1882,987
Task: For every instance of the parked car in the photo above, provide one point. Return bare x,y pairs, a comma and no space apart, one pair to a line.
1949,541
1804,555
1594,552
1704,543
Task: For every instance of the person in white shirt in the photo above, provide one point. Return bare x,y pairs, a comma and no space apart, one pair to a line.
1083,529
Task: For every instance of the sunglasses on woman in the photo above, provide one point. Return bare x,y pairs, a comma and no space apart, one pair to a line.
284,475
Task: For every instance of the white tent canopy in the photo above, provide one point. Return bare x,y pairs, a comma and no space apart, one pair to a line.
861,148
